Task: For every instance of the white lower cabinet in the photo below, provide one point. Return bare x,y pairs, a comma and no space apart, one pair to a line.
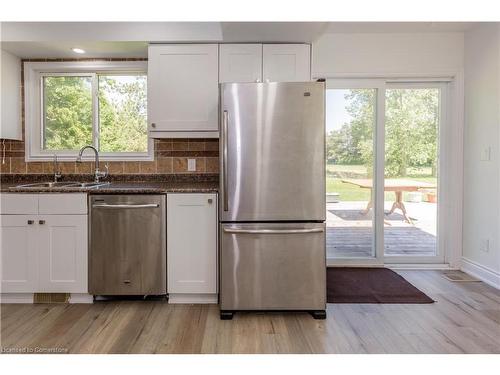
19,253
63,254
44,253
192,248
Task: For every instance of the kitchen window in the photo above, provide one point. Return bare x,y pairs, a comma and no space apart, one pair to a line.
73,104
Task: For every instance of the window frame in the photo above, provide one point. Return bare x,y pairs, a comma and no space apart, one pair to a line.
34,73
450,155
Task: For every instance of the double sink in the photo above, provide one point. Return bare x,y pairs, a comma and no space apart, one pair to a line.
69,185
61,185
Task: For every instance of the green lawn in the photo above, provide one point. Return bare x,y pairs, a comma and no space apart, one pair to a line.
349,192
361,169
345,168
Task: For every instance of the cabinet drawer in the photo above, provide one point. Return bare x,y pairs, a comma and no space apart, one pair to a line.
18,204
62,204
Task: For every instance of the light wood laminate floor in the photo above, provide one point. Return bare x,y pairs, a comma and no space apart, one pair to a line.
465,319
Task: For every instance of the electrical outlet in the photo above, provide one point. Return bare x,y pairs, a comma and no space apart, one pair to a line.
484,245
486,154
192,165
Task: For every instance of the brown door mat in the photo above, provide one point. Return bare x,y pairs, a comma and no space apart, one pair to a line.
370,285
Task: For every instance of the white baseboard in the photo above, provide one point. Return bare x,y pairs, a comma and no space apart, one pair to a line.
485,274
16,298
81,298
420,266
397,266
192,298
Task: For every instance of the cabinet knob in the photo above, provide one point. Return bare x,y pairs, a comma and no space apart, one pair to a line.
210,201
126,281
41,222
30,222
153,125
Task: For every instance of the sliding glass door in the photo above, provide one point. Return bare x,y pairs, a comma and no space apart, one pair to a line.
413,116
382,171
352,111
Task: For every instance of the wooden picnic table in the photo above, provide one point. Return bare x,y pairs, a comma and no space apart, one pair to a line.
398,186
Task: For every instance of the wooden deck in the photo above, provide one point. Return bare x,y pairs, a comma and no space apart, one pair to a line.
464,319
356,242
350,233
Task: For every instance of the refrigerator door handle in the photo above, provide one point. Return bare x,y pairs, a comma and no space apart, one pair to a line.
273,231
224,160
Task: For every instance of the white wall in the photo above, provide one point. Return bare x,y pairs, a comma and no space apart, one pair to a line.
10,97
387,53
482,132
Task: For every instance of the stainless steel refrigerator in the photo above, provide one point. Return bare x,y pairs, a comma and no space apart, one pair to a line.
272,197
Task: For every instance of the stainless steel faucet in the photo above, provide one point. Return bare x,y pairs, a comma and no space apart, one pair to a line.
57,172
97,173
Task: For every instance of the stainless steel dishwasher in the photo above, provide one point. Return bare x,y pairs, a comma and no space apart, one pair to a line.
127,245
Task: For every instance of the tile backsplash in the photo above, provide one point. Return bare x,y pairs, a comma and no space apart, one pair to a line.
170,155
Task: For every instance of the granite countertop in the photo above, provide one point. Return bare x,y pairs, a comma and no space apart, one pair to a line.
140,184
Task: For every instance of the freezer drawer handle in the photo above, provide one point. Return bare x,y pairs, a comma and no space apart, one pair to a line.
273,231
117,206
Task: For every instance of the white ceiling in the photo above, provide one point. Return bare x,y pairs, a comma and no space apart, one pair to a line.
398,27
62,49
130,39
285,32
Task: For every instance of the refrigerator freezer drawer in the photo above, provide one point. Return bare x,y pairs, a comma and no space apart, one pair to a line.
279,266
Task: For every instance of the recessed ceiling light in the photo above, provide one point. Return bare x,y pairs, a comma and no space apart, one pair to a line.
78,50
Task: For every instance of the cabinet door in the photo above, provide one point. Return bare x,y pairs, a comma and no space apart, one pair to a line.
286,62
19,253
183,87
240,63
192,243
10,98
63,253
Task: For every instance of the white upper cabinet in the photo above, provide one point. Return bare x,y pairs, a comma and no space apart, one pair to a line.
286,62
183,92
240,63
183,88
10,96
